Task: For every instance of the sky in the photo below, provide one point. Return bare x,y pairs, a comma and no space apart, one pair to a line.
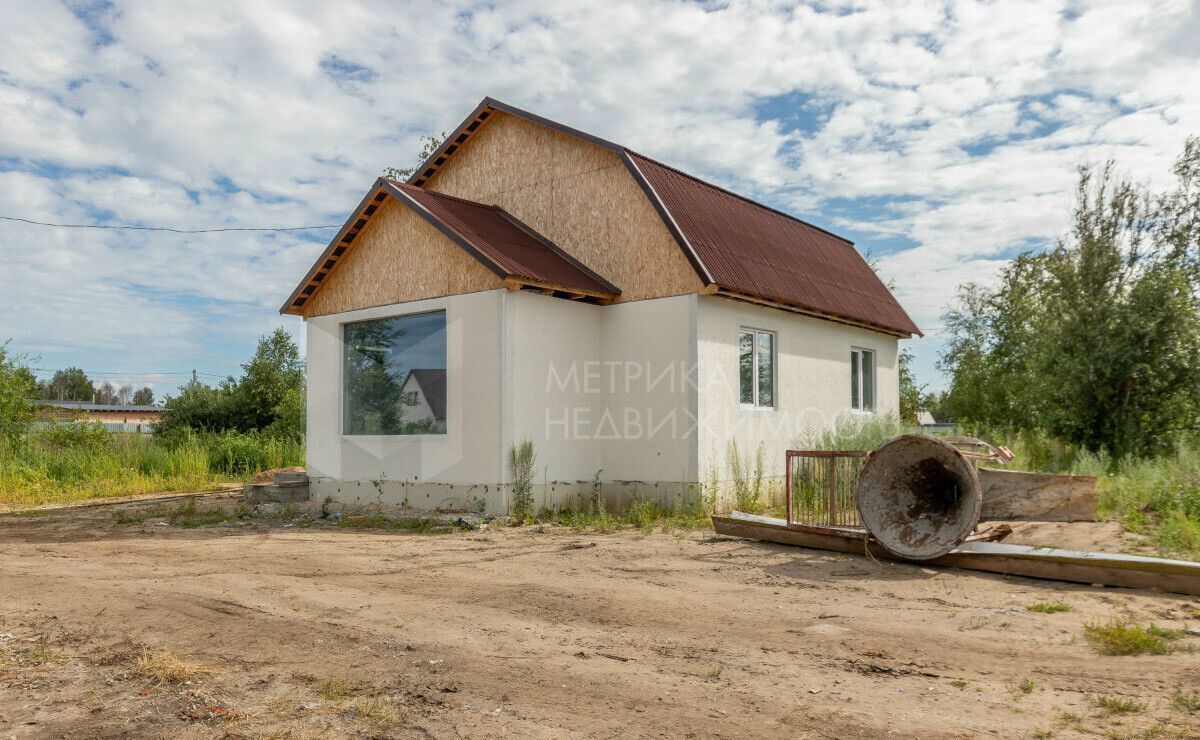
942,138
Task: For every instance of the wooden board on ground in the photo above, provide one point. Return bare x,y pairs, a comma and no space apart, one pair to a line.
1110,569
1044,497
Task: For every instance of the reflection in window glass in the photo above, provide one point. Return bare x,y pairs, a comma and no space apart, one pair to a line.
855,374
394,375
766,370
862,380
756,368
746,366
868,381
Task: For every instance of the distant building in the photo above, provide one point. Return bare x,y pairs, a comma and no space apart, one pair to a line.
423,394
121,417
927,423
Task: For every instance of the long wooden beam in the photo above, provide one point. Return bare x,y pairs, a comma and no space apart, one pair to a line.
1109,569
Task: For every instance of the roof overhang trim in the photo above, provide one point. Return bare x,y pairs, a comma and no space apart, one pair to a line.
795,308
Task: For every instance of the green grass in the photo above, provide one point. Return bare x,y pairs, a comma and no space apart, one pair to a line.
1049,607
1186,701
1118,705
428,525
648,516
77,462
1025,688
1158,498
1123,638
854,433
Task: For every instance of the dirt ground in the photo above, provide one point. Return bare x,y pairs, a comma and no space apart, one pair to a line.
546,632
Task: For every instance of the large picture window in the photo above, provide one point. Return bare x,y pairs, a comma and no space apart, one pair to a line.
756,368
394,375
862,380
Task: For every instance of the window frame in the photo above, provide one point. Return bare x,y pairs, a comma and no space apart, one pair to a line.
755,394
341,375
856,364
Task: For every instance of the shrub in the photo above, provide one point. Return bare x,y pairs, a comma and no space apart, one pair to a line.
521,459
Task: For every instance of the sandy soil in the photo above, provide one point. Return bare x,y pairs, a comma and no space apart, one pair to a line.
545,632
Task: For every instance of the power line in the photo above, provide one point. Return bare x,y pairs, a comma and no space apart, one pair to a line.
167,228
132,372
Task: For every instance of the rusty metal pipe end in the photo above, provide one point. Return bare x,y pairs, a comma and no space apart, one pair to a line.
919,496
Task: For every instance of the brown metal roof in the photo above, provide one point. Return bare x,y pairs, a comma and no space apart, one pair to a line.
500,241
748,248
505,244
743,247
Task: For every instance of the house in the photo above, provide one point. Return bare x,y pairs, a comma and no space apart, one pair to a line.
423,393
115,417
637,324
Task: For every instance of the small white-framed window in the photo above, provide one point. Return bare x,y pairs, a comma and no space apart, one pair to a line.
862,379
756,368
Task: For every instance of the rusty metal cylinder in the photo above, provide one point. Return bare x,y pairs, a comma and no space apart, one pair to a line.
919,496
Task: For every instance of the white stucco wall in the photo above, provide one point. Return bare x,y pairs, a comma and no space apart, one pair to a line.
646,391
650,348
549,401
602,388
812,380
467,454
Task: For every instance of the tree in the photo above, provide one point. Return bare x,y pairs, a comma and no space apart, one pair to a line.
373,384
106,393
275,369
1097,341
144,397
17,393
910,392
71,384
429,145
199,407
270,385
125,394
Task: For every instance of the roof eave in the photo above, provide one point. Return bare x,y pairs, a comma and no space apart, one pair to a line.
738,295
289,306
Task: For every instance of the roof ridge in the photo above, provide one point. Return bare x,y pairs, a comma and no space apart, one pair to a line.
739,196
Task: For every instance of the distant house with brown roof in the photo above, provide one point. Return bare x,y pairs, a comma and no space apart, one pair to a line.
122,417
532,281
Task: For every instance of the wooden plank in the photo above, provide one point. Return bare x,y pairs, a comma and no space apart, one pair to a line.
1111,569
1017,494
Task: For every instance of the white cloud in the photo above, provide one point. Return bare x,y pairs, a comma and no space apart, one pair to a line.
281,113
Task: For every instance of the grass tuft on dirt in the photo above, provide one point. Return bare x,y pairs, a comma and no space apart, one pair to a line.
1186,701
164,666
1120,705
1049,607
1124,638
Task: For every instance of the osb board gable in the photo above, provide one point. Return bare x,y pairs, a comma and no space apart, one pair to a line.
578,195
398,257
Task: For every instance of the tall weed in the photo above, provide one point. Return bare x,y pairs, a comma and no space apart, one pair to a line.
76,462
